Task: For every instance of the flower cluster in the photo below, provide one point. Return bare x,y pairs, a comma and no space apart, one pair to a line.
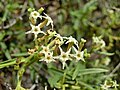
50,45
36,29
108,84
98,42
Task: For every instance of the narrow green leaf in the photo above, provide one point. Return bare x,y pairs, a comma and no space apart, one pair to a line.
7,54
2,34
91,71
3,45
7,63
105,53
53,82
76,71
19,54
59,72
86,85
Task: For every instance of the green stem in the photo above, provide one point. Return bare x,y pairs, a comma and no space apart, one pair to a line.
9,62
30,60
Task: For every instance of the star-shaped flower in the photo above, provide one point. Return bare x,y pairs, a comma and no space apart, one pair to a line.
31,51
35,30
71,39
35,15
45,50
115,85
105,86
50,21
48,57
58,36
99,41
64,56
79,55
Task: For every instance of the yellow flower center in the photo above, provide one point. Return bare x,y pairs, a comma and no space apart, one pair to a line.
36,30
35,14
48,57
78,55
64,56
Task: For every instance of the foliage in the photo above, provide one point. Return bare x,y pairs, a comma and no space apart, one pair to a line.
22,65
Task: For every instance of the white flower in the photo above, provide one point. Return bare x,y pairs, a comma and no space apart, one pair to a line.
83,40
115,85
35,15
98,41
71,39
48,57
95,39
102,43
45,50
58,36
79,55
51,32
31,51
50,21
64,56
35,30
105,86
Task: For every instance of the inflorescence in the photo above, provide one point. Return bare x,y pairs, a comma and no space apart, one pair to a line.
50,44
